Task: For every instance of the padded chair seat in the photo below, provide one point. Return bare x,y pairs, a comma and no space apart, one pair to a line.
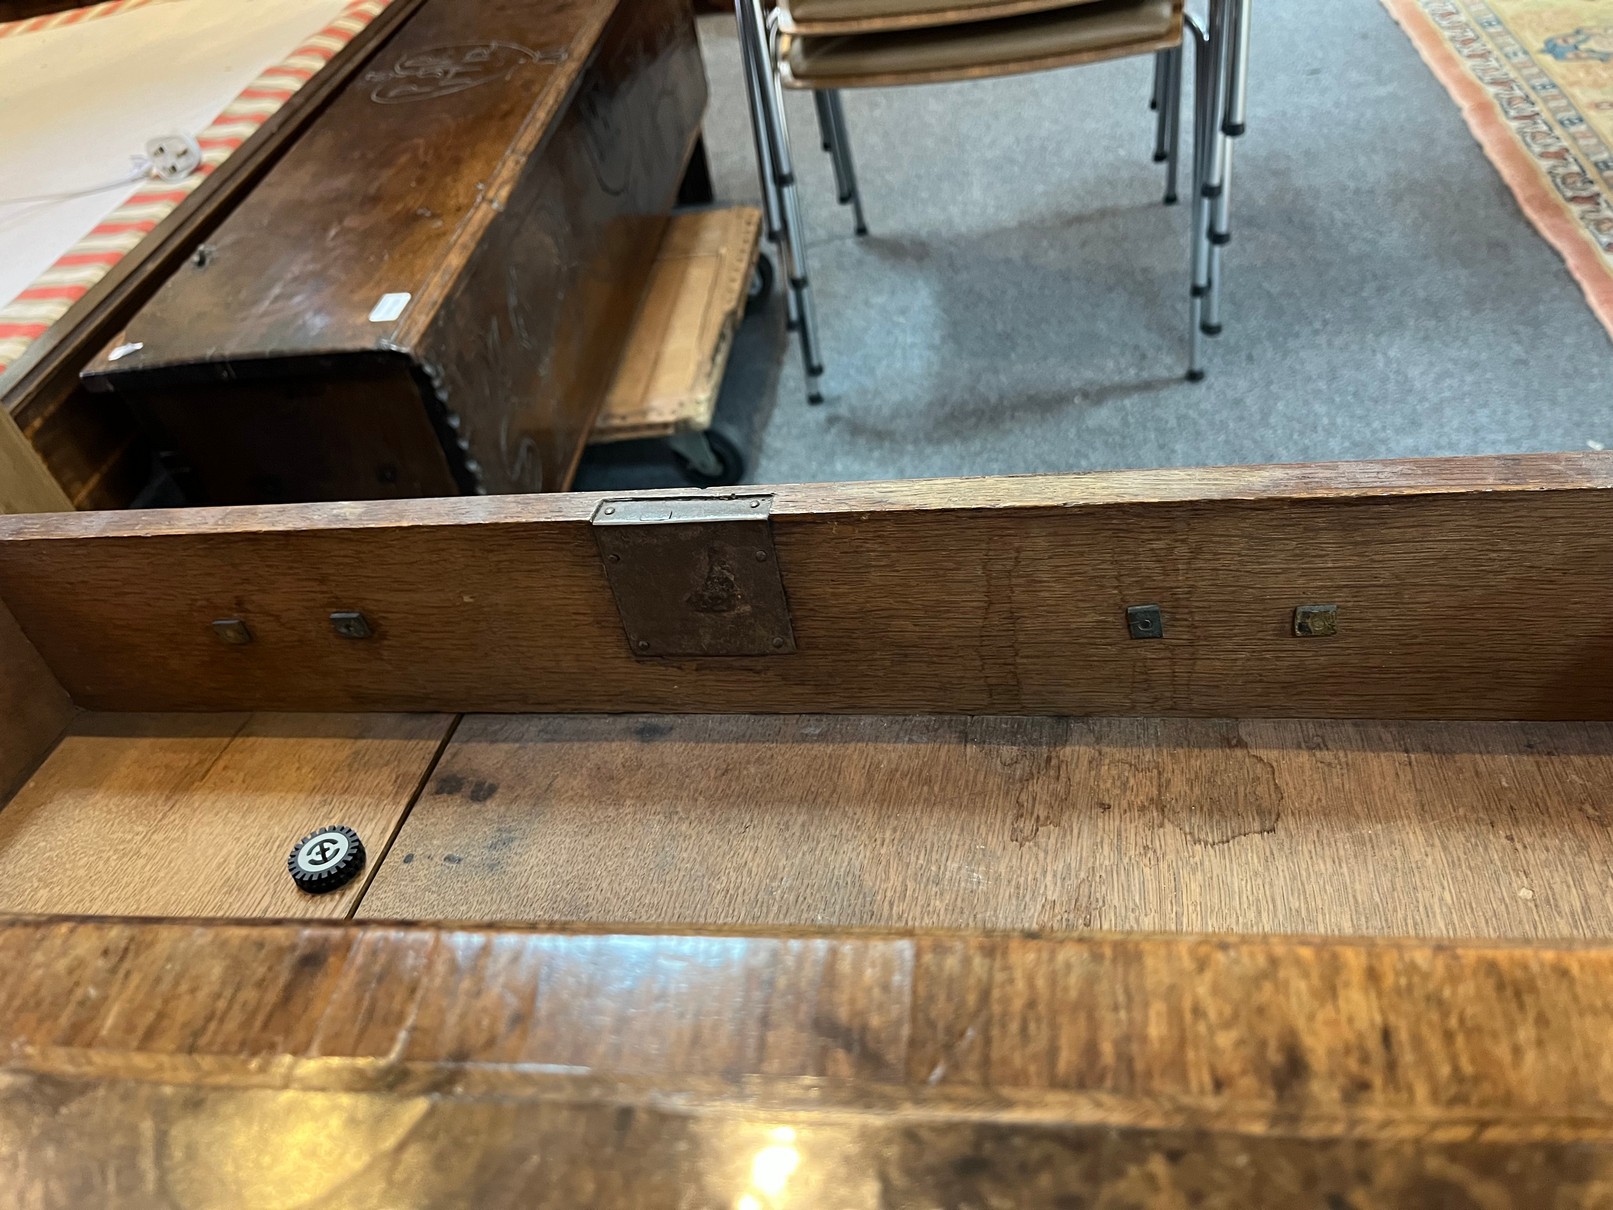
880,16
1075,34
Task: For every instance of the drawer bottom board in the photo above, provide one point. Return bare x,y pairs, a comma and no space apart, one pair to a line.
1493,830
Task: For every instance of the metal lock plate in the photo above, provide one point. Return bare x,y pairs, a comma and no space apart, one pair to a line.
695,577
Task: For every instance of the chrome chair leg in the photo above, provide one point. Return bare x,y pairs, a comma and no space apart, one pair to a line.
820,102
1219,237
1231,122
758,122
1199,225
772,207
1217,163
792,245
1238,107
847,174
823,102
1219,91
1160,103
1173,119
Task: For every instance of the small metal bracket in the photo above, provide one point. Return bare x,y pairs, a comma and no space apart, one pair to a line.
233,631
1316,621
351,624
1145,622
695,577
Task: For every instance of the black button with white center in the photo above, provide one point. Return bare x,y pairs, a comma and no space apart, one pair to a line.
326,859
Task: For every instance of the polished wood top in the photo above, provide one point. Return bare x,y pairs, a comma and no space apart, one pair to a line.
388,193
235,1065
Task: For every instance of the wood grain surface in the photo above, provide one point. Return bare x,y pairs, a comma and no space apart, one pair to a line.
1431,829
195,816
89,441
503,175
561,280
178,1064
673,361
34,709
1467,588
26,485
478,133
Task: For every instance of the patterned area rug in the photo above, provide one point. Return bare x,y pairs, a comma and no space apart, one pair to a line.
1534,79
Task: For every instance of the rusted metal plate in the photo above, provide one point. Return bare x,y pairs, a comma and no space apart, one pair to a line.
695,577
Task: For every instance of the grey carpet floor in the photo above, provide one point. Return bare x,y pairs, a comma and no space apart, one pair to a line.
1021,303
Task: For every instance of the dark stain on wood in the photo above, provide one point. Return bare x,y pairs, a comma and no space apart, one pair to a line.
1216,802
1015,823
473,789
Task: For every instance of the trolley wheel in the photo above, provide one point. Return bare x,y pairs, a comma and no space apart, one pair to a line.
710,459
761,284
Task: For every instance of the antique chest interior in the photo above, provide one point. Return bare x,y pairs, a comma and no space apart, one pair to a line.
1198,836
1347,678
1039,819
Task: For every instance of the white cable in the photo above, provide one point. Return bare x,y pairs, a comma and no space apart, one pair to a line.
140,170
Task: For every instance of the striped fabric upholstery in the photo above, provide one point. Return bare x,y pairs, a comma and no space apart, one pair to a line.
27,317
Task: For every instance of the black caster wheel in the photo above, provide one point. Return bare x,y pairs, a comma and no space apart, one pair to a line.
326,860
710,459
761,284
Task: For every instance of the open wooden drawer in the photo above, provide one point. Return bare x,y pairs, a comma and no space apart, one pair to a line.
827,843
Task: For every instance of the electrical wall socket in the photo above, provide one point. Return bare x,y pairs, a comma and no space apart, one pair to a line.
174,156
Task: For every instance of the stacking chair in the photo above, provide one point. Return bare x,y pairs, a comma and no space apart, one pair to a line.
830,45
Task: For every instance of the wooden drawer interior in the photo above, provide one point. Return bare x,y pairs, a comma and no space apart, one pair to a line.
972,889
966,737
1488,829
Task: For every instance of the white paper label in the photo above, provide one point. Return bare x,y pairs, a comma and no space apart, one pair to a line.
389,308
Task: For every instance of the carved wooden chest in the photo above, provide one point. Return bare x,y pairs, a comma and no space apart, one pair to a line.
429,293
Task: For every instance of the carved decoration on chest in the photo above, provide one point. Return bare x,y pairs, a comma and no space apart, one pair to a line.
422,75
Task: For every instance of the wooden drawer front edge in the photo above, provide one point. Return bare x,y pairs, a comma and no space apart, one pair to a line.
1181,1030
555,1068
